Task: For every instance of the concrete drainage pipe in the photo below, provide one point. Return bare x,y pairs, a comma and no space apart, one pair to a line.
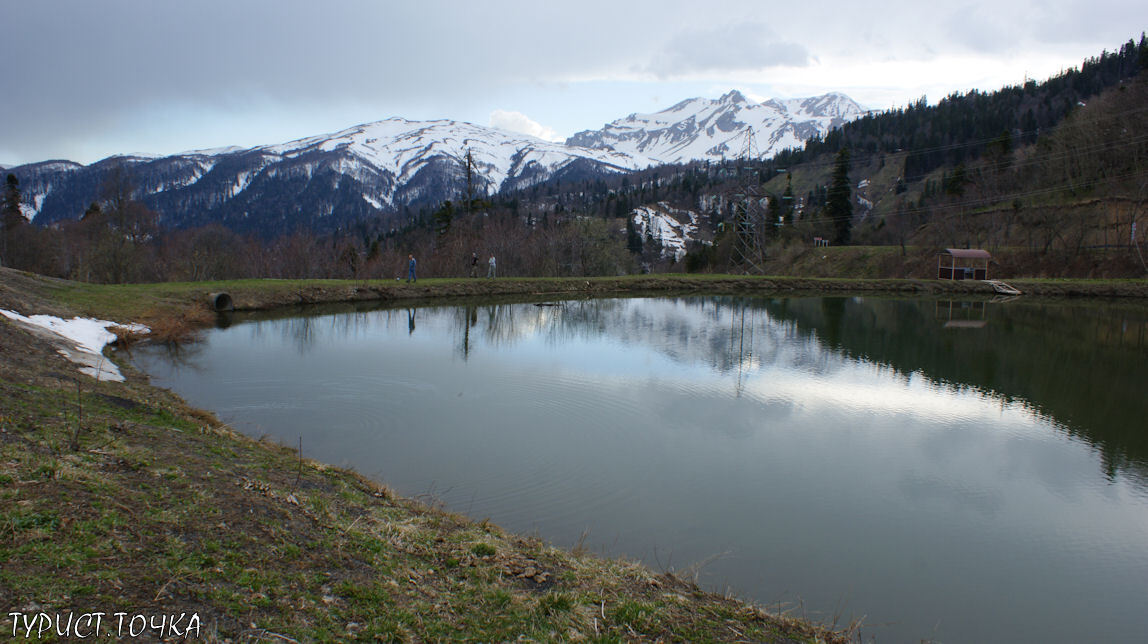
221,302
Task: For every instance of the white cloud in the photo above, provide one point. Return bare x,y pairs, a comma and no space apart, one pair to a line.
521,123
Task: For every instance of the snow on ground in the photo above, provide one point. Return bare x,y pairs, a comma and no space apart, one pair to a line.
80,340
378,205
671,227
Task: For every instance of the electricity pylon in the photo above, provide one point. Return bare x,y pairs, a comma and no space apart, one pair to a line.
748,216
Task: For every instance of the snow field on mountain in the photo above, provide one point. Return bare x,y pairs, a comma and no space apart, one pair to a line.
671,227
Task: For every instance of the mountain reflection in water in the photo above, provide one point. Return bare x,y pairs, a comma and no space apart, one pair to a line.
953,470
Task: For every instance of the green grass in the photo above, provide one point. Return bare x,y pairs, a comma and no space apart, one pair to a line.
483,550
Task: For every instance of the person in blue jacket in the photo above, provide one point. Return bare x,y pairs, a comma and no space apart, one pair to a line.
411,268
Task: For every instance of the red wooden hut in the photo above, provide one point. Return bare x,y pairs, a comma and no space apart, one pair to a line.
963,264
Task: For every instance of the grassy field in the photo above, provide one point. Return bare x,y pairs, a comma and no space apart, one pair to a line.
120,498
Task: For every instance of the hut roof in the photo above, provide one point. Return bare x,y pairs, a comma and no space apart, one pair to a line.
968,253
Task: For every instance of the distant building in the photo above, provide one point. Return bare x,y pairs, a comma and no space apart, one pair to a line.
963,264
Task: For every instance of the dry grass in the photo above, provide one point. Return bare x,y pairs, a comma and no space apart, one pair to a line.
174,326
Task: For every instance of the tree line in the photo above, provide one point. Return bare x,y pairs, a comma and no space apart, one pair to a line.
118,239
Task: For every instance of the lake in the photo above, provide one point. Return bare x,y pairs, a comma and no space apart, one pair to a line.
959,471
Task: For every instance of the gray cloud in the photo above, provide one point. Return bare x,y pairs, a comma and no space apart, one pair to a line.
735,46
74,67
83,78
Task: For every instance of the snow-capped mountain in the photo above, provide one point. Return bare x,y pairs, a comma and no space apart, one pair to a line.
330,181
322,182
701,128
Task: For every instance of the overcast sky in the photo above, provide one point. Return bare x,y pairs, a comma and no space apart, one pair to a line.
83,80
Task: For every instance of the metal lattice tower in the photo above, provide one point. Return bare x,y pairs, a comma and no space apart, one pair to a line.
748,215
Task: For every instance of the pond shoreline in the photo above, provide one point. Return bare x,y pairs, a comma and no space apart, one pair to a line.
175,309
154,507
270,295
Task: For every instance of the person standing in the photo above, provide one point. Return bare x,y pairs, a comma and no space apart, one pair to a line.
474,264
411,268
490,272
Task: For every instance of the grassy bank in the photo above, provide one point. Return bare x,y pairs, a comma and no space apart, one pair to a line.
186,304
118,497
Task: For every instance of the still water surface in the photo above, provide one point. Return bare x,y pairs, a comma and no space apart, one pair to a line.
965,472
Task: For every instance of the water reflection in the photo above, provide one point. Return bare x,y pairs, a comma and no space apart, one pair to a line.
961,315
1079,367
842,451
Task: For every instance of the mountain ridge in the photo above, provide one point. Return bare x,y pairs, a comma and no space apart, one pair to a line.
675,135
328,181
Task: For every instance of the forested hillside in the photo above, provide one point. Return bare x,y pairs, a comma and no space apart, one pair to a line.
962,127
1055,168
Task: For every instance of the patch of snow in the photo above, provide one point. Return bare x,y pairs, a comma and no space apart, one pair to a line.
57,166
241,181
211,152
80,340
670,227
378,205
136,157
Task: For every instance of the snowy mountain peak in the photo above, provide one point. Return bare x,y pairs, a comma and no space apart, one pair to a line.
833,105
705,129
733,97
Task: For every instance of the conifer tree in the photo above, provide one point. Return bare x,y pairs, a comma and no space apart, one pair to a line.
839,202
10,218
787,200
443,218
